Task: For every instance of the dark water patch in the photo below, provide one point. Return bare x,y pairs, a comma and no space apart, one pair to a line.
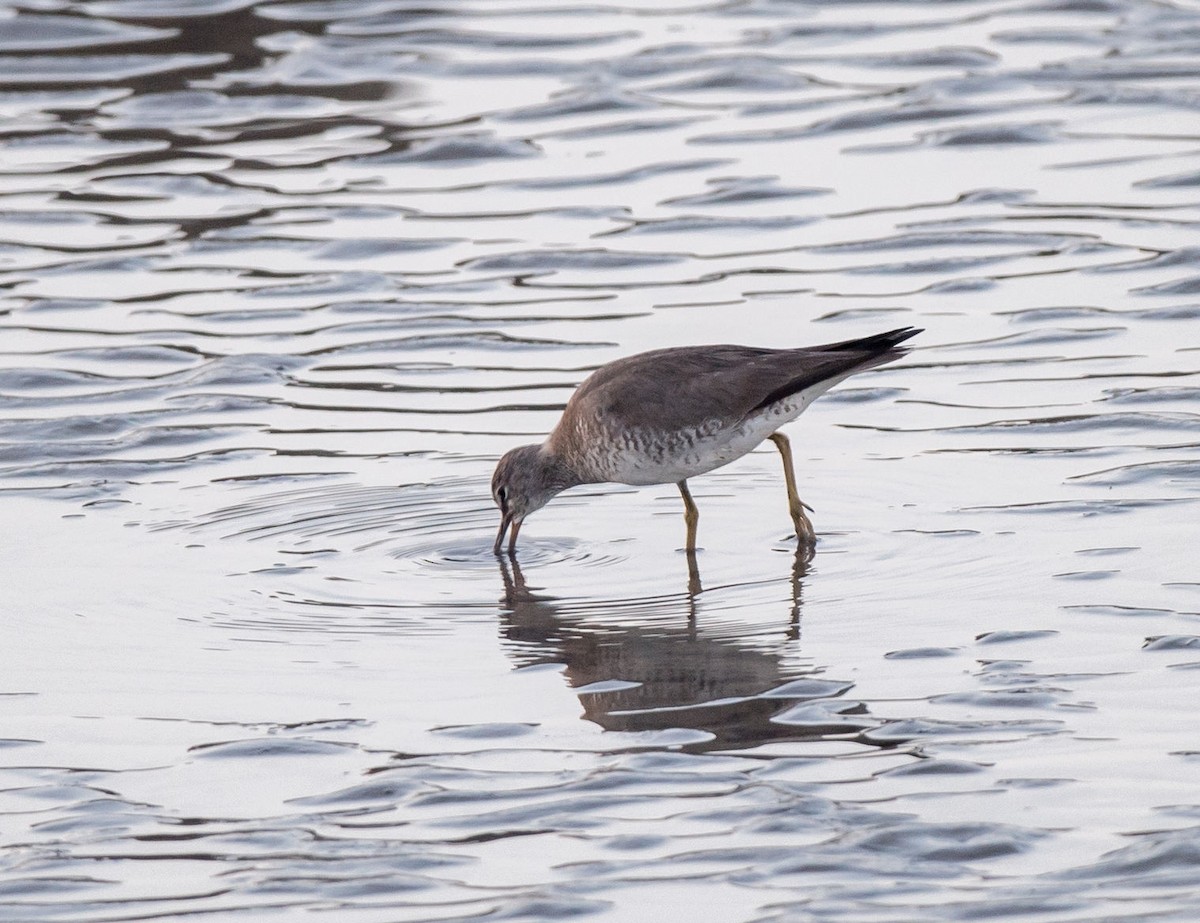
1059,313
903,731
553,260
1183,473
708,224
744,190
245,242
1172,313
617,128
192,197
397,26
1156,395
385,792
1181,256
1087,575
857,121
348,887
1105,552
269,747
574,813
860,313
1004,668
865,395
1186,180
1125,421
960,286
944,843
809,689
454,151
1108,70
1040,782
1085,508
482,340
329,11
958,56
589,101
38,380
935,767
486,731
1042,337
736,76
1154,858
1029,697
634,175
50,885
188,112
956,239
81,69
921,653
168,9
827,716
65,305
945,265
1186,286
1122,611
1057,35
1007,636
1172,643
994,135
74,794
29,31
7,743
80,232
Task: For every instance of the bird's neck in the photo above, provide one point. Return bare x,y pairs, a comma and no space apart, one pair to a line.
558,469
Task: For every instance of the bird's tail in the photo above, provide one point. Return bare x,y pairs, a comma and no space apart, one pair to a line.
879,343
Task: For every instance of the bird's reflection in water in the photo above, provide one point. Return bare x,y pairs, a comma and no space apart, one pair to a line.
659,665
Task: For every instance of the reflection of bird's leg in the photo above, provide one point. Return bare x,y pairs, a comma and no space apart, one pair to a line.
804,528
515,590
691,515
511,587
804,554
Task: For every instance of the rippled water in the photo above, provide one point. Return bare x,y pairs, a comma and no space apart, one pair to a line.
280,281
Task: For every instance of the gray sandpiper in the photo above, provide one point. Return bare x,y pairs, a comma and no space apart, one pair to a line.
667,415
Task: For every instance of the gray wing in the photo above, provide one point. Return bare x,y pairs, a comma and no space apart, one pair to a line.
678,389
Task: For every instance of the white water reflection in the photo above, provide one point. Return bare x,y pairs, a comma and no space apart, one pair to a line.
280,281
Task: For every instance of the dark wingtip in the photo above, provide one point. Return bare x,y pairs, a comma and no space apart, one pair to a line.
880,341
863,353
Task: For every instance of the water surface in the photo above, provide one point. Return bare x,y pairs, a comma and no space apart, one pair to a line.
280,281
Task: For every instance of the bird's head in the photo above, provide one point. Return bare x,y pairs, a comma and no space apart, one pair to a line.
525,480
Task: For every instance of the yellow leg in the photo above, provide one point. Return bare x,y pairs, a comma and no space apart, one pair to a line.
691,515
804,528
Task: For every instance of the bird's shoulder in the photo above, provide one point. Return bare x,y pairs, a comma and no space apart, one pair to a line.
679,387
671,366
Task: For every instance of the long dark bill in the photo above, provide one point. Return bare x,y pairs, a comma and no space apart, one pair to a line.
507,520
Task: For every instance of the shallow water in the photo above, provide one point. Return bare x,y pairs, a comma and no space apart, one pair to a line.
280,281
